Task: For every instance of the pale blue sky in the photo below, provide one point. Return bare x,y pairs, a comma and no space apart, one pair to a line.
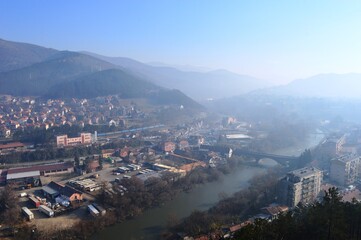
276,40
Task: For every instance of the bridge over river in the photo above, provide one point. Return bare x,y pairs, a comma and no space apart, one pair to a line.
281,159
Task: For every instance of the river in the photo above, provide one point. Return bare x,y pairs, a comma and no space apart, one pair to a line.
152,222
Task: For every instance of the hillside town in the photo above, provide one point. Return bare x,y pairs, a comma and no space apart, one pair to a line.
66,190
22,113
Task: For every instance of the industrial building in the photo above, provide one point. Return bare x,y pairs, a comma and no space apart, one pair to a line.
31,175
300,186
23,178
54,190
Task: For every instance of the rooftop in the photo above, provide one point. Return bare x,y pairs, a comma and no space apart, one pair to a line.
48,167
22,175
11,145
305,172
347,158
54,187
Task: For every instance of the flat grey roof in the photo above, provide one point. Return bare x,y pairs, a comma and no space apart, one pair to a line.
49,190
23,175
304,172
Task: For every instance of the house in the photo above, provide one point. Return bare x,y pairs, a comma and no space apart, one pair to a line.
168,147
124,152
112,123
71,194
92,165
237,227
274,210
203,237
183,144
107,153
5,132
189,167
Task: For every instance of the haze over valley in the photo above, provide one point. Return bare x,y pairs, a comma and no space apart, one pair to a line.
197,120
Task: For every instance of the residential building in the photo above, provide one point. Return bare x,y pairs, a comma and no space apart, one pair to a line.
169,147
345,170
300,186
182,145
195,140
107,153
274,210
339,144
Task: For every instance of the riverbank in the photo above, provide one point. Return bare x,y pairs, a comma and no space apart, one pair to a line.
153,222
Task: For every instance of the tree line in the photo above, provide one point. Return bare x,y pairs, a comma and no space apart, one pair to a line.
329,219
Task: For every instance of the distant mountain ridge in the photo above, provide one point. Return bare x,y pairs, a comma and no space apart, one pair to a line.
121,83
15,55
198,85
323,85
36,79
66,74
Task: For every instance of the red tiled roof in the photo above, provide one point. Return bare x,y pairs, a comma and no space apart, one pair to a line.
11,145
204,237
274,210
41,168
239,226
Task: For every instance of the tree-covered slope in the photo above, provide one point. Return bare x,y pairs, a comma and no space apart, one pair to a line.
107,82
15,55
38,78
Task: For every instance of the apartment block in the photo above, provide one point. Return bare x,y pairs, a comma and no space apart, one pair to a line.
64,140
300,186
345,170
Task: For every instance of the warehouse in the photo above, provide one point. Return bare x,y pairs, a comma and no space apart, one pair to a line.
28,179
53,190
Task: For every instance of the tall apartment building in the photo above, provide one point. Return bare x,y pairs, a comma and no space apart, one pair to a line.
300,186
64,140
345,170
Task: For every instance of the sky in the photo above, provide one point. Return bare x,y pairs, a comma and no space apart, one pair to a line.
278,40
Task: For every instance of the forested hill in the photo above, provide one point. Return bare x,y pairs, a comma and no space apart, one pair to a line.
102,83
30,70
15,55
329,219
119,82
37,79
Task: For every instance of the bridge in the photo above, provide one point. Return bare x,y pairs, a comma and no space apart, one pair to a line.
281,159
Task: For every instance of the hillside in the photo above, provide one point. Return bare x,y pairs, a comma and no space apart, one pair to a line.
323,85
102,83
119,82
15,55
198,85
38,78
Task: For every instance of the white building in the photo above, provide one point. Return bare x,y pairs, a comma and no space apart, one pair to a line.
345,170
300,186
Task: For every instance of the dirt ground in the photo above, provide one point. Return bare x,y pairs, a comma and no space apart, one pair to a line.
64,221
